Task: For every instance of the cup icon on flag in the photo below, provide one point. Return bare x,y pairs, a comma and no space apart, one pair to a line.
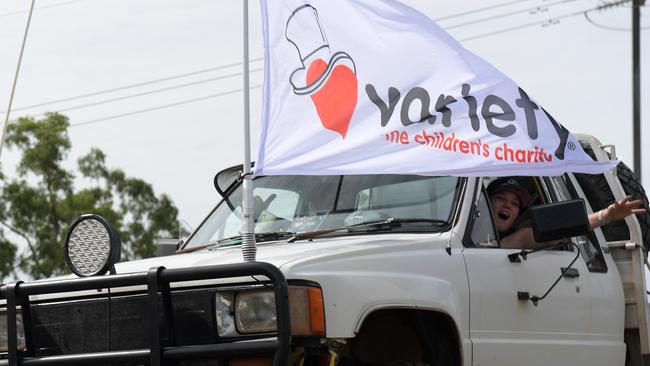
328,78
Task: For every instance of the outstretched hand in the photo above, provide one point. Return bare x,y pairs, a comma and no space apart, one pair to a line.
623,208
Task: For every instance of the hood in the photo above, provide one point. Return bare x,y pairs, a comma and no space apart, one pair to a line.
277,253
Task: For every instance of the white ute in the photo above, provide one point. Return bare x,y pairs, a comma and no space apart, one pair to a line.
353,270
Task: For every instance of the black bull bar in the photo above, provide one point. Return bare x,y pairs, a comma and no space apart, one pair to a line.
157,280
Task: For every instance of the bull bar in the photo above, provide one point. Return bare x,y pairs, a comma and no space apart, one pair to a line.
157,280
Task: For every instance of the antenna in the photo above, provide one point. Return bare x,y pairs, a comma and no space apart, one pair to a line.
248,228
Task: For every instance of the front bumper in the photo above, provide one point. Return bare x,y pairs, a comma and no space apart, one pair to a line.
159,325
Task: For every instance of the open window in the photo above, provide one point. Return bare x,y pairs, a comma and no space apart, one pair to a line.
483,230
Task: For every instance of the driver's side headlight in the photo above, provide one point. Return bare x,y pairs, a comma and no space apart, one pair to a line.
250,312
20,330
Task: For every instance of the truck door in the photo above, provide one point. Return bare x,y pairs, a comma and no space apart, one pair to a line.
506,330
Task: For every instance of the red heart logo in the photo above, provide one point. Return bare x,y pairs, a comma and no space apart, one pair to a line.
336,99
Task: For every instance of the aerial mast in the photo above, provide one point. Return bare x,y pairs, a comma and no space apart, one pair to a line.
248,227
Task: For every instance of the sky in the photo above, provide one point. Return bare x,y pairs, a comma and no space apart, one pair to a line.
578,69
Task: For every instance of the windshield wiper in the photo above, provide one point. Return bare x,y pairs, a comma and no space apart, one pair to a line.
209,244
390,223
274,235
259,237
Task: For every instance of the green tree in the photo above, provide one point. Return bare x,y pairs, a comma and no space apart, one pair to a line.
41,202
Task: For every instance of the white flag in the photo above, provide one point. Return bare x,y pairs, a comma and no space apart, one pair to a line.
375,87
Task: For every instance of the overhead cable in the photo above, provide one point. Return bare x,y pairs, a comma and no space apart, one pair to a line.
42,7
546,22
438,19
457,15
154,81
594,23
105,101
259,59
161,107
527,10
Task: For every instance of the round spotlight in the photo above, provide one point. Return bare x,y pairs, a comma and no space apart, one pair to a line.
92,246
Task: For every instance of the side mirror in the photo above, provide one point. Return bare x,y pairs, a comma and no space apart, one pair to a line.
559,220
92,246
166,247
226,179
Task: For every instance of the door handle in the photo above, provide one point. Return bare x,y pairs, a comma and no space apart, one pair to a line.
570,272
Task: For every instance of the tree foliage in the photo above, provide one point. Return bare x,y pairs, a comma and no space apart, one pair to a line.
41,202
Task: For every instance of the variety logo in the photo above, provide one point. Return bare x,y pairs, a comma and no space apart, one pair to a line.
328,78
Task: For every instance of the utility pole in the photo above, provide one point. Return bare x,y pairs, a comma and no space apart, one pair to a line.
636,84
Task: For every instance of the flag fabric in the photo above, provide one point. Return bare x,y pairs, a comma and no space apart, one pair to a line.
375,87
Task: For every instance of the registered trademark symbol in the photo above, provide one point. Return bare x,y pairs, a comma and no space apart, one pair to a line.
571,146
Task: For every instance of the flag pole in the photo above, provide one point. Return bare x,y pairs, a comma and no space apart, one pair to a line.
248,227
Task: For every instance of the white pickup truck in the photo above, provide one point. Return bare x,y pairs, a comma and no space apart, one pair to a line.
353,270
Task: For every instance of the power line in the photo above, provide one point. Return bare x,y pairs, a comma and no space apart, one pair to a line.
549,21
41,8
594,23
438,19
546,22
609,5
479,10
105,101
527,10
237,64
130,86
161,107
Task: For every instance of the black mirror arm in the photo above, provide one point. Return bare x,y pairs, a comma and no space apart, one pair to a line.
536,299
514,257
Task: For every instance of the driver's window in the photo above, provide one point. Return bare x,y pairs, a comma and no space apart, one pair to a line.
508,199
483,232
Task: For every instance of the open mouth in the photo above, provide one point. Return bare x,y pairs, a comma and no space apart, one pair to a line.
504,215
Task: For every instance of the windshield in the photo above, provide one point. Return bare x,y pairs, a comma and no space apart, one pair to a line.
298,204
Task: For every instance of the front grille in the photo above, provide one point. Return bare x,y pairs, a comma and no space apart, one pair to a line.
83,326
